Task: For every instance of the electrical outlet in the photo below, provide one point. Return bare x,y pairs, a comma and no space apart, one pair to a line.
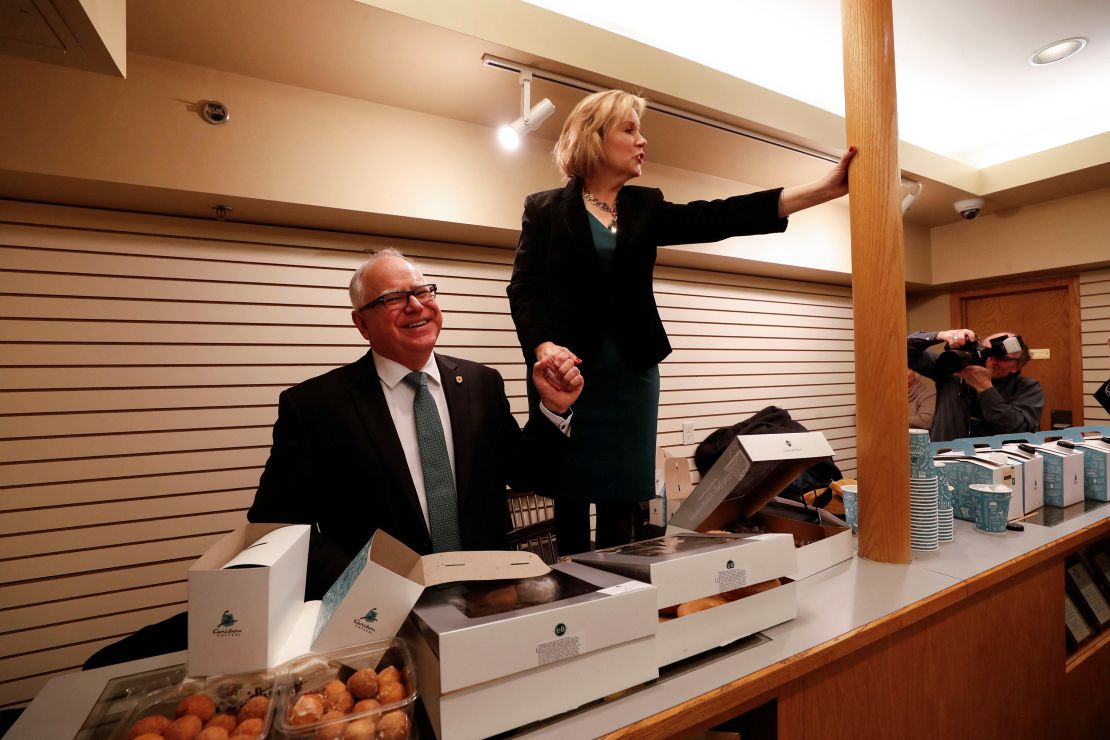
687,432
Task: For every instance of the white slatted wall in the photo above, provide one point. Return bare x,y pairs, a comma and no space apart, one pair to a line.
141,358
1094,316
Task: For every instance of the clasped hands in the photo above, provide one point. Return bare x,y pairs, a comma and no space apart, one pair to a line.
556,377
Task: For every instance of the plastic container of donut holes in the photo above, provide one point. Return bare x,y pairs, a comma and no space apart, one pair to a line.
222,708
360,693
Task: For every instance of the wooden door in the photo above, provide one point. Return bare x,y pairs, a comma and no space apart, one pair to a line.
1046,315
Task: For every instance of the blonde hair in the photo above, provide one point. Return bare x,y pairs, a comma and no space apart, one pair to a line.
578,151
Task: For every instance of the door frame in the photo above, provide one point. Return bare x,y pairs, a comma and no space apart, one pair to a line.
1073,327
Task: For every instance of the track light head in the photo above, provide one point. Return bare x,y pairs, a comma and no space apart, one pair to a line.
911,197
511,134
530,116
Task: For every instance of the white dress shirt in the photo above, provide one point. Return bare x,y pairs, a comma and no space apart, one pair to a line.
399,397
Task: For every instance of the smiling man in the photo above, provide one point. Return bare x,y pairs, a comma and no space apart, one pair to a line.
405,439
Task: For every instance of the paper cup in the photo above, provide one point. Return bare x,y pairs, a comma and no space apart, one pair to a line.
851,505
944,489
920,458
992,504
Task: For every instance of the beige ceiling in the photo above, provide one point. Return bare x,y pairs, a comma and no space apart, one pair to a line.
427,58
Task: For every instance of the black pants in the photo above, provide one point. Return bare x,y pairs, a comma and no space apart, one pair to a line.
617,524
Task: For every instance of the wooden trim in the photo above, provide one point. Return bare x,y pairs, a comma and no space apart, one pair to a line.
956,297
878,280
776,680
1087,651
752,690
678,722
1058,549
1075,327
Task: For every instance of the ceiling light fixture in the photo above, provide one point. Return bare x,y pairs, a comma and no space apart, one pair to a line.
912,195
1057,51
577,84
530,118
526,73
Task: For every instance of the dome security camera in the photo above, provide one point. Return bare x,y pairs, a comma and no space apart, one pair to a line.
969,208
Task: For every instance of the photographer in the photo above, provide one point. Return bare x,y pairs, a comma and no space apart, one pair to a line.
980,388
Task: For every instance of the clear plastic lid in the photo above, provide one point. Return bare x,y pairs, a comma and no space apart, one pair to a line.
364,692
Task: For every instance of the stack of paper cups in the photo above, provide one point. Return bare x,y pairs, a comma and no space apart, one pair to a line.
924,518
924,525
945,528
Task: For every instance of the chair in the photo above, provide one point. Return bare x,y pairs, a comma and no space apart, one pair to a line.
531,522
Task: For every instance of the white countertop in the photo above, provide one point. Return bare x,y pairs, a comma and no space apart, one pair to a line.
831,603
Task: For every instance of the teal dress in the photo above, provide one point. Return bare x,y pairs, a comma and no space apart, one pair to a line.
611,456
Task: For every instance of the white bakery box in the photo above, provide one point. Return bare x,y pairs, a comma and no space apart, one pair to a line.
963,470
689,569
1063,474
1017,497
246,595
1030,464
673,485
1096,461
744,483
491,657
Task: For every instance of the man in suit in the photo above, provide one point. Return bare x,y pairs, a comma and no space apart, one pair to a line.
349,454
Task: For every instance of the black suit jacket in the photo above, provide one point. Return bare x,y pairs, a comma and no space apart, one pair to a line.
558,294
337,463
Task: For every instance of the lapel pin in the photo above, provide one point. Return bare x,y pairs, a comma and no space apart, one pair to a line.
458,379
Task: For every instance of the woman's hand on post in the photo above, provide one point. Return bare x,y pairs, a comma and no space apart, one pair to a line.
833,185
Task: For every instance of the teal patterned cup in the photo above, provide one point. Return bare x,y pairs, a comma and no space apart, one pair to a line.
920,459
850,493
992,505
944,492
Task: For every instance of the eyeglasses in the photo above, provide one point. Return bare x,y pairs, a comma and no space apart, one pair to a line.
394,300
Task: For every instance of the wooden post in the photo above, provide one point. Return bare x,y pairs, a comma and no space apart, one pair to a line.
878,282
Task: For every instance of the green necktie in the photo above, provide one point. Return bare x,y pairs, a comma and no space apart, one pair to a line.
439,484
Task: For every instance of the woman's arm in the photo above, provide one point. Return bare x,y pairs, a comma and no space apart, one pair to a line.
529,287
833,185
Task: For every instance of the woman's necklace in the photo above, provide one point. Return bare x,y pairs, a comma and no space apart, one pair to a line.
610,209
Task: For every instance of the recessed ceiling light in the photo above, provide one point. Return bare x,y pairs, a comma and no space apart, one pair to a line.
1057,51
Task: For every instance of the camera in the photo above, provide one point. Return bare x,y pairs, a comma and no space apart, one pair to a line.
951,360
969,208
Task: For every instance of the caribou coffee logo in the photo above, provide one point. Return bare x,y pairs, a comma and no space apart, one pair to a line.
730,565
560,629
366,621
226,627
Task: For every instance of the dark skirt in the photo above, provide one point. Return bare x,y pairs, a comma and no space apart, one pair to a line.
611,456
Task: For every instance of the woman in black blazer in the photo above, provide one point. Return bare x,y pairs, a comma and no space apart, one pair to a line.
582,287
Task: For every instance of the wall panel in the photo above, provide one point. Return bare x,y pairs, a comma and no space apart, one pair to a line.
1094,317
141,359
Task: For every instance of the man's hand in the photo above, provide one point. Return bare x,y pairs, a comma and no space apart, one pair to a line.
559,393
956,338
977,377
556,355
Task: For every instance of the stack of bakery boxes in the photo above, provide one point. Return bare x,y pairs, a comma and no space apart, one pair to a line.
713,586
500,639
493,656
